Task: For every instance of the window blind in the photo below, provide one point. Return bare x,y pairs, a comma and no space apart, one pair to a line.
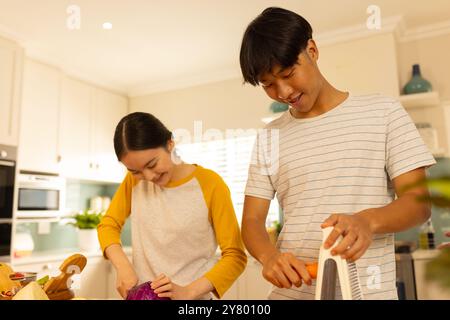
230,158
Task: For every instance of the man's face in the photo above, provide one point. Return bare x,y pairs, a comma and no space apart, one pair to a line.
153,165
298,85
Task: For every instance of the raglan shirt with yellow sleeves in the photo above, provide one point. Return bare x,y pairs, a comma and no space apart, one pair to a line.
176,229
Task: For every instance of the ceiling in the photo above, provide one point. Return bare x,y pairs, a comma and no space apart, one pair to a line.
162,43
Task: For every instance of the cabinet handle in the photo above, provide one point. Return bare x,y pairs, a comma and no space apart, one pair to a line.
90,165
58,158
97,166
47,266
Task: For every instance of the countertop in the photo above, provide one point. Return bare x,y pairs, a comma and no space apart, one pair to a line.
58,255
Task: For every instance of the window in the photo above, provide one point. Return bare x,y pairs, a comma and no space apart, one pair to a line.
230,158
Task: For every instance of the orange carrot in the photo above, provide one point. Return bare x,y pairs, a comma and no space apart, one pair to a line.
312,269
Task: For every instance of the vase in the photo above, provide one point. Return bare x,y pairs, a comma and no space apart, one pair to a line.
276,107
417,84
88,240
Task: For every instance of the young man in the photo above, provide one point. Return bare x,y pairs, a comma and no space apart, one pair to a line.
338,161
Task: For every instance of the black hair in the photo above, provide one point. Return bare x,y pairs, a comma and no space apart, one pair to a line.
139,131
276,37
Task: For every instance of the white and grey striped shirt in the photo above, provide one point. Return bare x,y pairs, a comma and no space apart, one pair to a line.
342,161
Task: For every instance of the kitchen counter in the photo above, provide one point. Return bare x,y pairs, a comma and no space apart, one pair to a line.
58,255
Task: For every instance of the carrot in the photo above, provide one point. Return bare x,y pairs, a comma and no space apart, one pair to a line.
312,269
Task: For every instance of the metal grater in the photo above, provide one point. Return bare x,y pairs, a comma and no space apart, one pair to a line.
332,266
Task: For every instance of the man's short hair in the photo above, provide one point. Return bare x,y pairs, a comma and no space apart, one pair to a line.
276,37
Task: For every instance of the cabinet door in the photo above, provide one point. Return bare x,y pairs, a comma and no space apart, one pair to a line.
255,287
93,280
75,130
233,292
39,118
108,109
11,62
112,293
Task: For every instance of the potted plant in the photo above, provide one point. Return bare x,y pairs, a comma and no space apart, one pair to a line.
86,222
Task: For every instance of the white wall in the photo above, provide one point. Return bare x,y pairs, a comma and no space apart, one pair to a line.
353,66
362,66
222,105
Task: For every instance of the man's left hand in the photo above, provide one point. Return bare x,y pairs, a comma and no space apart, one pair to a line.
356,232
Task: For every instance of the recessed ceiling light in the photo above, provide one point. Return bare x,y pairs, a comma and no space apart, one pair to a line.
107,25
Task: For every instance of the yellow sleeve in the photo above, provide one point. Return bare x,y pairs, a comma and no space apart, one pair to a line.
110,226
223,219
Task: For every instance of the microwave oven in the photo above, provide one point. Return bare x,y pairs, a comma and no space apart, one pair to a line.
40,196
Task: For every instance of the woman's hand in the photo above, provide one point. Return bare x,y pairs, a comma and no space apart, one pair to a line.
126,279
284,270
356,232
165,288
445,244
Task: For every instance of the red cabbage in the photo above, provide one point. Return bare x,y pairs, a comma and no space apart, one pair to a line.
143,292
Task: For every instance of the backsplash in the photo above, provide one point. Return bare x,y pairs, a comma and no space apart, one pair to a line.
440,217
62,235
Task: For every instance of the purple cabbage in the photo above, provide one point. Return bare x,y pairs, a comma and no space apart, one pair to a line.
143,292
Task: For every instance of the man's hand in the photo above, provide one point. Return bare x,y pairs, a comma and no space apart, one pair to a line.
356,232
164,287
284,270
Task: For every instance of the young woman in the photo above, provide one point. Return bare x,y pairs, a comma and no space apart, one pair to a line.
179,214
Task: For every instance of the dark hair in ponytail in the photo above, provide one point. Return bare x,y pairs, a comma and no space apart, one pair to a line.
139,131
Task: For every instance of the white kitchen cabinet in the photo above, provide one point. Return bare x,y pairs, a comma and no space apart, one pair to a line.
11,64
108,109
38,143
75,128
233,292
424,288
91,283
93,280
88,119
112,293
254,286
251,285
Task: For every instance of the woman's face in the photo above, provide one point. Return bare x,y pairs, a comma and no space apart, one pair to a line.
153,165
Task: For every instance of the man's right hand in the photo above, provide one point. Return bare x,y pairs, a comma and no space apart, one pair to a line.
284,270
126,279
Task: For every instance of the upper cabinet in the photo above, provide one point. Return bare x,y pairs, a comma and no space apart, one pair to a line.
108,109
88,119
11,64
38,143
67,126
75,128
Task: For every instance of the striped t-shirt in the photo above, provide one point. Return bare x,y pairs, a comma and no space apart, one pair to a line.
342,161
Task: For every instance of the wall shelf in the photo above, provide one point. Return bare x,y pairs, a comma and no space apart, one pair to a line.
266,120
439,153
420,100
